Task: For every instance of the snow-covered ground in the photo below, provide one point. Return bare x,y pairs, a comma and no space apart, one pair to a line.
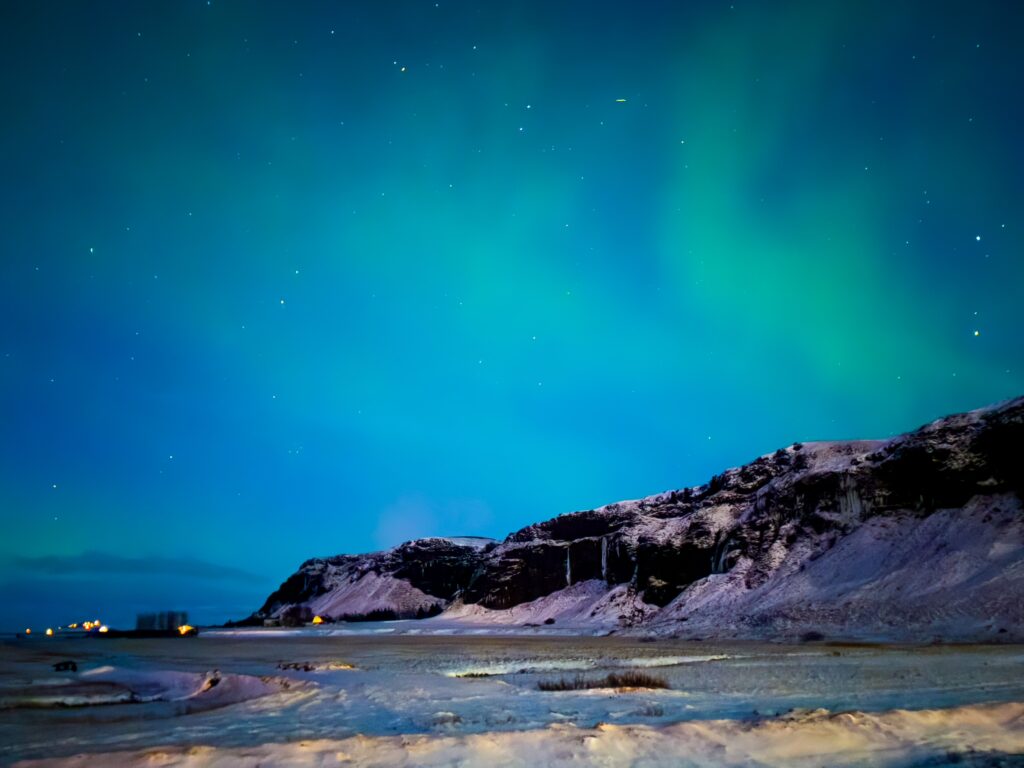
988,735
391,699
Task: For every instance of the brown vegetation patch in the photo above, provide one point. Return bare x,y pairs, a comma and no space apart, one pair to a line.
614,680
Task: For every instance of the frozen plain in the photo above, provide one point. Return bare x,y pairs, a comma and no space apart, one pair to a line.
390,694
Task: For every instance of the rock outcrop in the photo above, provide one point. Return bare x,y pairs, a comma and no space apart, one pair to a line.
414,580
916,536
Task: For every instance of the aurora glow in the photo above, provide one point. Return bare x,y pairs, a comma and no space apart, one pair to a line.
284,280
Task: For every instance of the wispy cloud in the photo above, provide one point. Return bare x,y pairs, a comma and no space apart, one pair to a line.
102,563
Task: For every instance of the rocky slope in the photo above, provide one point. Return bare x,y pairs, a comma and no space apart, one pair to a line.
918,536
414,580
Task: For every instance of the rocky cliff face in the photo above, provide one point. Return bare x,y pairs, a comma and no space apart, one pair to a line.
414,580
922,534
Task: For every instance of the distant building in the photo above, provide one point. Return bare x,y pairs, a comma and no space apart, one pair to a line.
161,620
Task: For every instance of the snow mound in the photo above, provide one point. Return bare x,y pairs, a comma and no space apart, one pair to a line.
115,685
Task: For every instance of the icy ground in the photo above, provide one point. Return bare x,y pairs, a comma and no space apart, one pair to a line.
388,699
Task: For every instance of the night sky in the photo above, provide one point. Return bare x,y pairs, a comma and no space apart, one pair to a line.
291,279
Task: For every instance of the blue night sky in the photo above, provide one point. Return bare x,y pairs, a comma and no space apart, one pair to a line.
293,279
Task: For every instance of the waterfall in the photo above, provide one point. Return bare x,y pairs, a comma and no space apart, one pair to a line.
568,568
719,554
604,558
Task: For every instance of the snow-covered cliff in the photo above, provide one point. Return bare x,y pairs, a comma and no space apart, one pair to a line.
918,536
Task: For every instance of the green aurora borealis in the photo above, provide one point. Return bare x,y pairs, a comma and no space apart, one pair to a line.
294,279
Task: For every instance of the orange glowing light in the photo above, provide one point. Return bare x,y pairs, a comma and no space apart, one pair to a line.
317,620
104,628
184,629
28,631
49,632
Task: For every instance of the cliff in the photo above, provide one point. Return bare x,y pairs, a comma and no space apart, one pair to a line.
918,536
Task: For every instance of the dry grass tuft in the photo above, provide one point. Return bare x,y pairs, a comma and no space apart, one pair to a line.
614,680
